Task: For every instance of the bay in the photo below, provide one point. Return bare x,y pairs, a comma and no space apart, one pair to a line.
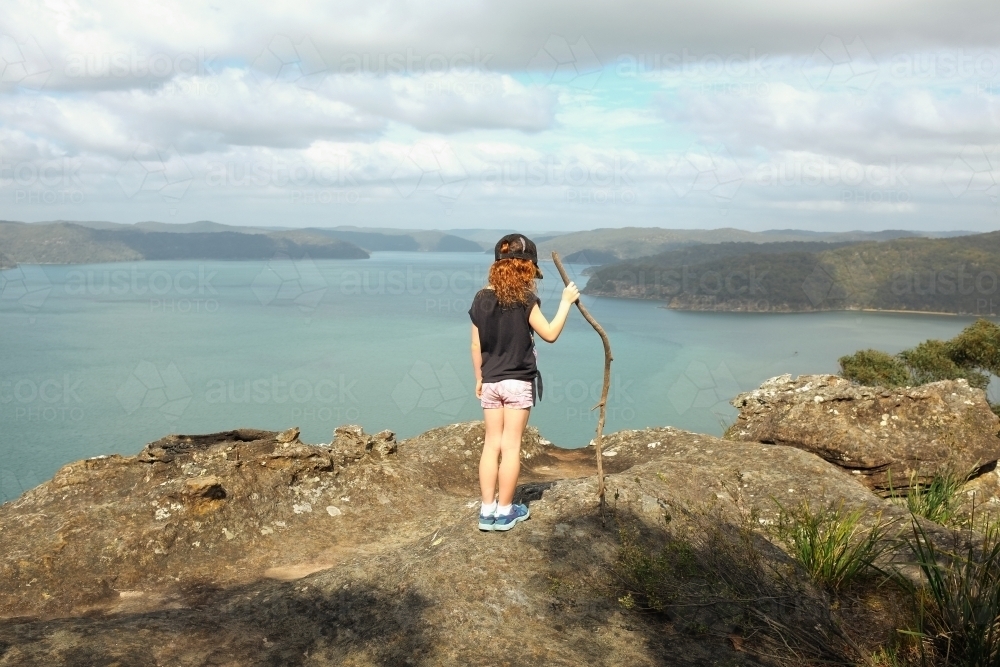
101,359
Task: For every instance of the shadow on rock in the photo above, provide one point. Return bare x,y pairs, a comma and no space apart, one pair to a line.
280,624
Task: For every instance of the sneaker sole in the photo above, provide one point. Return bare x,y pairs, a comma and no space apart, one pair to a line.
486,527
508,526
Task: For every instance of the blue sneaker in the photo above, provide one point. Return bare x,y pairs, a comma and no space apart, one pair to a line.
518,514
486,522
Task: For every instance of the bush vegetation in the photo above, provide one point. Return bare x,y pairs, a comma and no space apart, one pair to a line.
972,355
847,608
937,500
709,573
833,544
958,610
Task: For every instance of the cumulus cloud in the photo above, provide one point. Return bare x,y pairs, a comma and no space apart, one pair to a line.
572,113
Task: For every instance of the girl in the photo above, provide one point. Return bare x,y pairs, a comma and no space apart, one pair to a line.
505,316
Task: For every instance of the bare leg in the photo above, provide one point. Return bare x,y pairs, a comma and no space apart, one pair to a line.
489,462
514,421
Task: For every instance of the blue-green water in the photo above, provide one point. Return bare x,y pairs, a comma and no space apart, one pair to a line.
104,358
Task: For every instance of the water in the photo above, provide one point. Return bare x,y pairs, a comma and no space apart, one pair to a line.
104,358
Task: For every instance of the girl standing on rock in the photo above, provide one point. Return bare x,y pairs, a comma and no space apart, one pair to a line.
505,316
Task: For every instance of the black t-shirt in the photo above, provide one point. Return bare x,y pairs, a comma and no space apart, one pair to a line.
505,337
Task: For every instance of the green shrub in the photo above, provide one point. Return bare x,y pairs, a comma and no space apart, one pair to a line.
972,355
932,361
874,368
937,500
832,544
886,657
959,608
977,346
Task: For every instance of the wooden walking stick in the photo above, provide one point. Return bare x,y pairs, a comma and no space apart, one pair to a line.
603,404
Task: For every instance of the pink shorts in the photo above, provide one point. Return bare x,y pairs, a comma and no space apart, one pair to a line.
516,394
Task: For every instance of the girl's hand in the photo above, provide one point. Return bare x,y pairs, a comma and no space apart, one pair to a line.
479,389
570,293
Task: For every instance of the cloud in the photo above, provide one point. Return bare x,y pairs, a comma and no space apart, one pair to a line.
341,95
913,126
181,36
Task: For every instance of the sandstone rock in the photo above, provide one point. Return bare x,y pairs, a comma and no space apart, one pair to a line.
874,432
382,444
205,487
291,435
117,568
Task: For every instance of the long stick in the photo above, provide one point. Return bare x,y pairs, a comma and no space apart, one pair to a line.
603,405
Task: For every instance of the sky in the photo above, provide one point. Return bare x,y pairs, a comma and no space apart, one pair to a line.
517,115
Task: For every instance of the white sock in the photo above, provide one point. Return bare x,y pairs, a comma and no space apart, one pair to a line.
488,510
504,510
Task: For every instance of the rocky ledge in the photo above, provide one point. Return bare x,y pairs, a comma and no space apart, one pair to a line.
251,547
881,435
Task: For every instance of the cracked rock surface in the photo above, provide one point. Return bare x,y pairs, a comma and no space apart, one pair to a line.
874,432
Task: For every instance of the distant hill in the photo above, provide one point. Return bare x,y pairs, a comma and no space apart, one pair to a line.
958,275
172,227
6,262
68,243
62,243
204,226
591,257
633,242
487,238
373,241
397,239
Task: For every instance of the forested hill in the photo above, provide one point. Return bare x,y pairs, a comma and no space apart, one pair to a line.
68,243
958,275
628,243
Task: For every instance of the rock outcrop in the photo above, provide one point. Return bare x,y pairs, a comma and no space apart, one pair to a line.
873,432
252,548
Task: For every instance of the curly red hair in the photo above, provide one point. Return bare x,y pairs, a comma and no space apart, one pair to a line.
513,281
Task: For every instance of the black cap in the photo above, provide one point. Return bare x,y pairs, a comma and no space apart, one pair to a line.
518,247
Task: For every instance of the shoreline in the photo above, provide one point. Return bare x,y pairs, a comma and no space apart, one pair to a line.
832,310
